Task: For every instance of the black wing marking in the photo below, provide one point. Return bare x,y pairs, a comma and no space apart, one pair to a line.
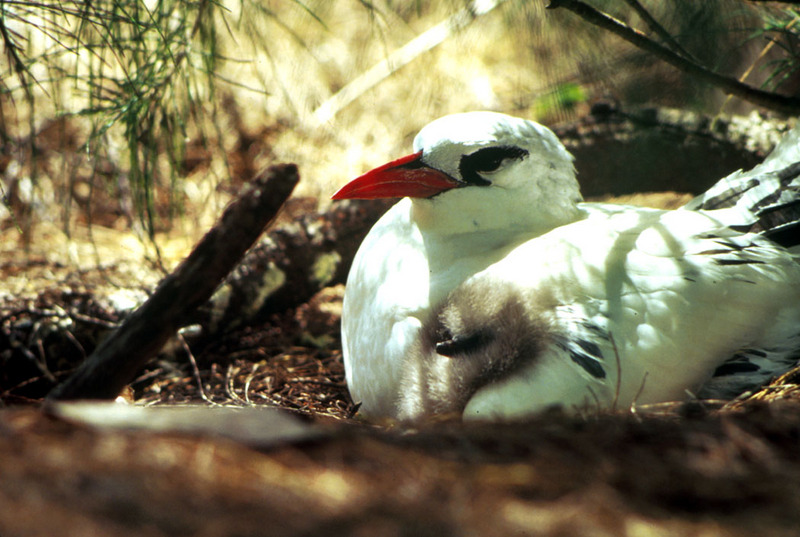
586,354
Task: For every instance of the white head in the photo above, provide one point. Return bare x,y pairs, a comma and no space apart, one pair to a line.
479,171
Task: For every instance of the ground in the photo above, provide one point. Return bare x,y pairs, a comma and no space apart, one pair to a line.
692,471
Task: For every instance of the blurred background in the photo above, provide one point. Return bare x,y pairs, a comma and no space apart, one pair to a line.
125,126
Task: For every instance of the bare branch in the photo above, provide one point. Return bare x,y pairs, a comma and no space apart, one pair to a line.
731,86
659,30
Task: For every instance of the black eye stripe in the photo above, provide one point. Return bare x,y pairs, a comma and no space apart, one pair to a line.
487,159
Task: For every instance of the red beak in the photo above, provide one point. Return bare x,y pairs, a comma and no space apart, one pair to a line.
406,176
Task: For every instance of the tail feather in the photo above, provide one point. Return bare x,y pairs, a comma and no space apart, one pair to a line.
764,200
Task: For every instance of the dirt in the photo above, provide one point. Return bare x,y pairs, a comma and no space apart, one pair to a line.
691,472
700,468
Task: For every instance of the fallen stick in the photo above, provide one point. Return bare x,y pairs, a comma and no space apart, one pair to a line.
290,264
118,358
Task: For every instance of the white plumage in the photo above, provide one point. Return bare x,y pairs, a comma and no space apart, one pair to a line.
494,291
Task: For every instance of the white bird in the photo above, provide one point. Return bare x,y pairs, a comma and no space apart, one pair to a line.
492,290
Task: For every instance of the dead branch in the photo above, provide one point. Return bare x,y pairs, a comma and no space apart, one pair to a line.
731,86
291,264
659,30
116,360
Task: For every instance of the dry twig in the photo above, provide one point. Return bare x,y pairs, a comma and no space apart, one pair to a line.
731,86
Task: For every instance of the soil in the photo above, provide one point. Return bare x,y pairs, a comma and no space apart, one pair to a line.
698,468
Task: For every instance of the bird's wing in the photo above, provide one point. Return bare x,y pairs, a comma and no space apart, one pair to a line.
386,288
670,296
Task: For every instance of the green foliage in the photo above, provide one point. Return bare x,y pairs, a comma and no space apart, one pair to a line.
562,98
134,65
781,29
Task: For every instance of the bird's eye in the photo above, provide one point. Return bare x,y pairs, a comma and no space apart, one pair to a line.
485,160
452,346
